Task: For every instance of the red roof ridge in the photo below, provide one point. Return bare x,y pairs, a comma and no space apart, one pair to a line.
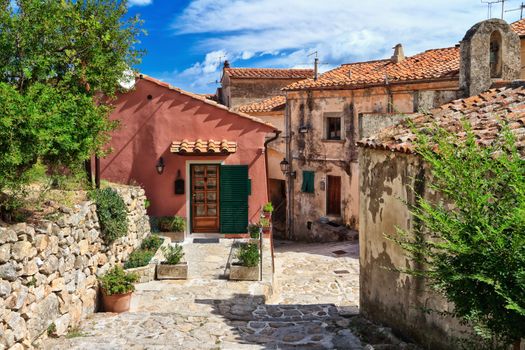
204,99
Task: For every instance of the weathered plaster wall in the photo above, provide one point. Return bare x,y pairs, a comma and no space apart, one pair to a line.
276,149
387,296
48,271
522,56
149,126
370,123
309,151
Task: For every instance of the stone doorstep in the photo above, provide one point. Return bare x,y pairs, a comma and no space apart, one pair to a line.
176,272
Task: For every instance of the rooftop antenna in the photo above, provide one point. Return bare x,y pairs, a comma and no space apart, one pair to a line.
522,6
489,6
316,64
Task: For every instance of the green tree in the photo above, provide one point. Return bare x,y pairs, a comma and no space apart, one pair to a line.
472,243
60,63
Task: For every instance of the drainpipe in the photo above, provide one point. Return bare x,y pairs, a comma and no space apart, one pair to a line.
289,178
266,143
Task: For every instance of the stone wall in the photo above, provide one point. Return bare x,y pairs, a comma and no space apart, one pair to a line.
388,296
48,271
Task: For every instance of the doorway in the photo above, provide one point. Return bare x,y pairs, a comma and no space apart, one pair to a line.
205,198
333,196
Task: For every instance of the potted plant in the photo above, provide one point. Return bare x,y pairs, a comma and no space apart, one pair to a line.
172,227
172,267
265,224
267,210
140,260
117,287
254,230
247,266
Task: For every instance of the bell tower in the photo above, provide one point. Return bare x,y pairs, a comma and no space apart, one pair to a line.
490,52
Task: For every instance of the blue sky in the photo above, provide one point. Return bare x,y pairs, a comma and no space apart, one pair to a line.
188,39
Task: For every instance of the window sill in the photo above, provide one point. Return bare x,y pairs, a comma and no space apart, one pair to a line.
333,141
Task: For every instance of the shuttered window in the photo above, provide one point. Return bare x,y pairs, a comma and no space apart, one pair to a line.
234,192
308,181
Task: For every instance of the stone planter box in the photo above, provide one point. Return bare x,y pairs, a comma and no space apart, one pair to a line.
173,236
172,272
243,273
146,273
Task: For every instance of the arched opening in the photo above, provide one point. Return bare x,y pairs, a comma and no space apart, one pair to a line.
495,54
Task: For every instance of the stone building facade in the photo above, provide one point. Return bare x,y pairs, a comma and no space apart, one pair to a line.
388,168
326,117
49,269
242,86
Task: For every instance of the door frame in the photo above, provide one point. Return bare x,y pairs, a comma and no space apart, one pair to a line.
188,189
328,196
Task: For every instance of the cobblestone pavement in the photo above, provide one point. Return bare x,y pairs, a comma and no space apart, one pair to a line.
314,288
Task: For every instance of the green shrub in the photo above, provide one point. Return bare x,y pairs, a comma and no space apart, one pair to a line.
268,207
112,214
171,224
173,254
264,222
469,246
254,230
139,258
117,281
152,242
248,254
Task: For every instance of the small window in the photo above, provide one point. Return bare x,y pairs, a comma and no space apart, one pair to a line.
495,55
333,128
308,182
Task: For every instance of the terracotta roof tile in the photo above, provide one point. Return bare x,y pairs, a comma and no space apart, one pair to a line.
429,65
268,73
268,105
203,146
484,112
205,100
519,27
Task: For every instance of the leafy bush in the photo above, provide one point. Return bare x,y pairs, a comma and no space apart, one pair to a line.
112,214
268,207
139,258
171,224
264,222
254,230
471,245
173,254
152,242
248,254
117,281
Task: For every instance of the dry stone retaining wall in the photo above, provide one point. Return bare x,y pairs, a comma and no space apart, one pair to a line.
48,271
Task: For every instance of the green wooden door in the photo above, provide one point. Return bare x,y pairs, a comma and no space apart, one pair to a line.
234,192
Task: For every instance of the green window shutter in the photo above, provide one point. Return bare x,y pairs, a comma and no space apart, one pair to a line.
234,191
308,181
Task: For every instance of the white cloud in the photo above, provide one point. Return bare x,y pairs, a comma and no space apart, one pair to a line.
283,33
140,2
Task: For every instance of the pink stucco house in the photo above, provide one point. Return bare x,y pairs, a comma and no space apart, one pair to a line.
195,158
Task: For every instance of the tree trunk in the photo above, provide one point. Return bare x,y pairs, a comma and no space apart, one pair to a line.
517,345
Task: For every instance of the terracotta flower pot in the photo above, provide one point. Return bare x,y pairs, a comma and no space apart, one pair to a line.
117,302
267,214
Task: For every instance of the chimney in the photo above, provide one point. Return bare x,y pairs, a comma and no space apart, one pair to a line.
226,64
399,55
316,68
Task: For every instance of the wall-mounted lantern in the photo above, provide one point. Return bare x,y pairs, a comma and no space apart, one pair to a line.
285,168
160,166
304,129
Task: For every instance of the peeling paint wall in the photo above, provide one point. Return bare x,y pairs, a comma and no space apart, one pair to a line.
311,151
388,296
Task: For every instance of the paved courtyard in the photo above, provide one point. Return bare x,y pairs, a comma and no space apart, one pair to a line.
315,287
